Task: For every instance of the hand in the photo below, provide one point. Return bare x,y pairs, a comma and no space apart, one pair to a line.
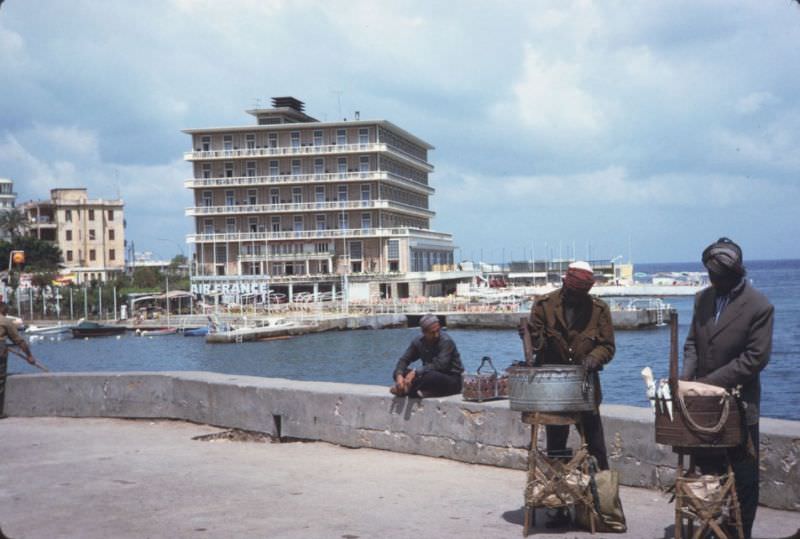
410,378
592,364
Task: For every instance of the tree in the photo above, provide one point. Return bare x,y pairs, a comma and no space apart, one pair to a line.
40,255
176,263
13,223
147,278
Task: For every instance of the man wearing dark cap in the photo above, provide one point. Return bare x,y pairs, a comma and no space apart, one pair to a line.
440,373
570,327
728,345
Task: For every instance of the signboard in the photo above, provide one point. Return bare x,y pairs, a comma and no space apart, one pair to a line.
25,280
230,289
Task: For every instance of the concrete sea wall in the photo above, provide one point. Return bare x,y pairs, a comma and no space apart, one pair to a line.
367,416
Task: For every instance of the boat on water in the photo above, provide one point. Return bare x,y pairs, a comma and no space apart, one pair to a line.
156,332
258,330
48,330
94,329
196,332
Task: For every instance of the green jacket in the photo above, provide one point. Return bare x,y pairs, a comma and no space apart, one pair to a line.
591,333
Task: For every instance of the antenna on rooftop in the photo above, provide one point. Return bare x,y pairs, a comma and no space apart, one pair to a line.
257,101
338,100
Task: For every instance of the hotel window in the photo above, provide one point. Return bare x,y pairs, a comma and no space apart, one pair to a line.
341,166
366,193
208,199
69,256
295,167
230,225
91,234
229,200
229,170
297,223
252,196
274,196
92,255
273,168
252,224
344,221
208,226
206,144
321,247
227,142
342,193
295,139
356,255
206,170
319,193
110,215
318,137
366,221
321,222
363,135
68,216
91,215
297,195
251,168
276,223
272,140
319,166
112,254
341,136
363,163
250,141
111,234
393,250
68,235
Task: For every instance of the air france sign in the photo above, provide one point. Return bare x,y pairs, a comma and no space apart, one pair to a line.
233,289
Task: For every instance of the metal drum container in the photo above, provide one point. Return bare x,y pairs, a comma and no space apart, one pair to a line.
551,388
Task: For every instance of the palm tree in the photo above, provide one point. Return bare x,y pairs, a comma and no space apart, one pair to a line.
13,223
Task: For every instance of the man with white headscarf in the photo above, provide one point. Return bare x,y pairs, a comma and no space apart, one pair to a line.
441,369
729,343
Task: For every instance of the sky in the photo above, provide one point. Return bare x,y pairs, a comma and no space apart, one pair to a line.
638,129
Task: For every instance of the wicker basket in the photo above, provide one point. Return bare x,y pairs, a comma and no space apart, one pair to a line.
484,386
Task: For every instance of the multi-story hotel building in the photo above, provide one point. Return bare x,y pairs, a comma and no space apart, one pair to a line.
8,199
294,203
89,233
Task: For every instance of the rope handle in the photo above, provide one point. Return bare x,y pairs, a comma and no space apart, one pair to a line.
484,361
723,418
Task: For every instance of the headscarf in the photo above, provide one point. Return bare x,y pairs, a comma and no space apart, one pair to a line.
579,277
427,321
724,257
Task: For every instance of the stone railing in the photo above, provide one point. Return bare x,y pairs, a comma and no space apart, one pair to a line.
367,416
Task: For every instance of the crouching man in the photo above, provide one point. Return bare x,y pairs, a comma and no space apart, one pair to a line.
441,369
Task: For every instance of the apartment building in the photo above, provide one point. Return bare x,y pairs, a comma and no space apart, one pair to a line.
89,233
8,200
295,203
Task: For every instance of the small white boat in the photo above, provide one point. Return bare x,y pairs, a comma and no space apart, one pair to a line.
48,330
156,332
259,330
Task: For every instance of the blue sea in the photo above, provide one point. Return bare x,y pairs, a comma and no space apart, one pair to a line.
368,356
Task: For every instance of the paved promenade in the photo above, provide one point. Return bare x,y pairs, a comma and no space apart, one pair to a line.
114,478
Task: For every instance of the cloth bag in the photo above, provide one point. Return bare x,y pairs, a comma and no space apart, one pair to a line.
608,514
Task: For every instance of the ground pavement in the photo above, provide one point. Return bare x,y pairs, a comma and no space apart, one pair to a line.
112,478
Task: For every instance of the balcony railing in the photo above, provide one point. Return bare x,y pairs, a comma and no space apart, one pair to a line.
288,179
281,257
320,234
201,211
289,151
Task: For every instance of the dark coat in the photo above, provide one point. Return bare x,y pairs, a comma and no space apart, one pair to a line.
733,350
591,333
441,356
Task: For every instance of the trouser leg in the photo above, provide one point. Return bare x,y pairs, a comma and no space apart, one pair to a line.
745,471
595,438
3,374
556,440
436,384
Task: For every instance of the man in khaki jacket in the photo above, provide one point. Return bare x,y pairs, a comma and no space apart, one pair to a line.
9,330
570,327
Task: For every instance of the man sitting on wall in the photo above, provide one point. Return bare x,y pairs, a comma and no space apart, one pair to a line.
440,373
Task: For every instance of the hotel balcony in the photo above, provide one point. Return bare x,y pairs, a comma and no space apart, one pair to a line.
308,150
334,233
205,211
284,257
290,179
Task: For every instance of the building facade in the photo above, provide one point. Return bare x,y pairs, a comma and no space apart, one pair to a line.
89,233
298,204
8,200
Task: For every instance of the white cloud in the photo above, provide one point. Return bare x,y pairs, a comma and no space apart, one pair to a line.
754,102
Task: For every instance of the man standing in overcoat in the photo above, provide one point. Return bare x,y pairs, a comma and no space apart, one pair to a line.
9,331
728,345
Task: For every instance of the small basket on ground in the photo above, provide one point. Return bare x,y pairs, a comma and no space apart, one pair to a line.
483,386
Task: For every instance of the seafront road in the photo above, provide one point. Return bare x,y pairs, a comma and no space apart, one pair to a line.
116,478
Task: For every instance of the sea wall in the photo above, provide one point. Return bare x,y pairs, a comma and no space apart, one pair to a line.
367,416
